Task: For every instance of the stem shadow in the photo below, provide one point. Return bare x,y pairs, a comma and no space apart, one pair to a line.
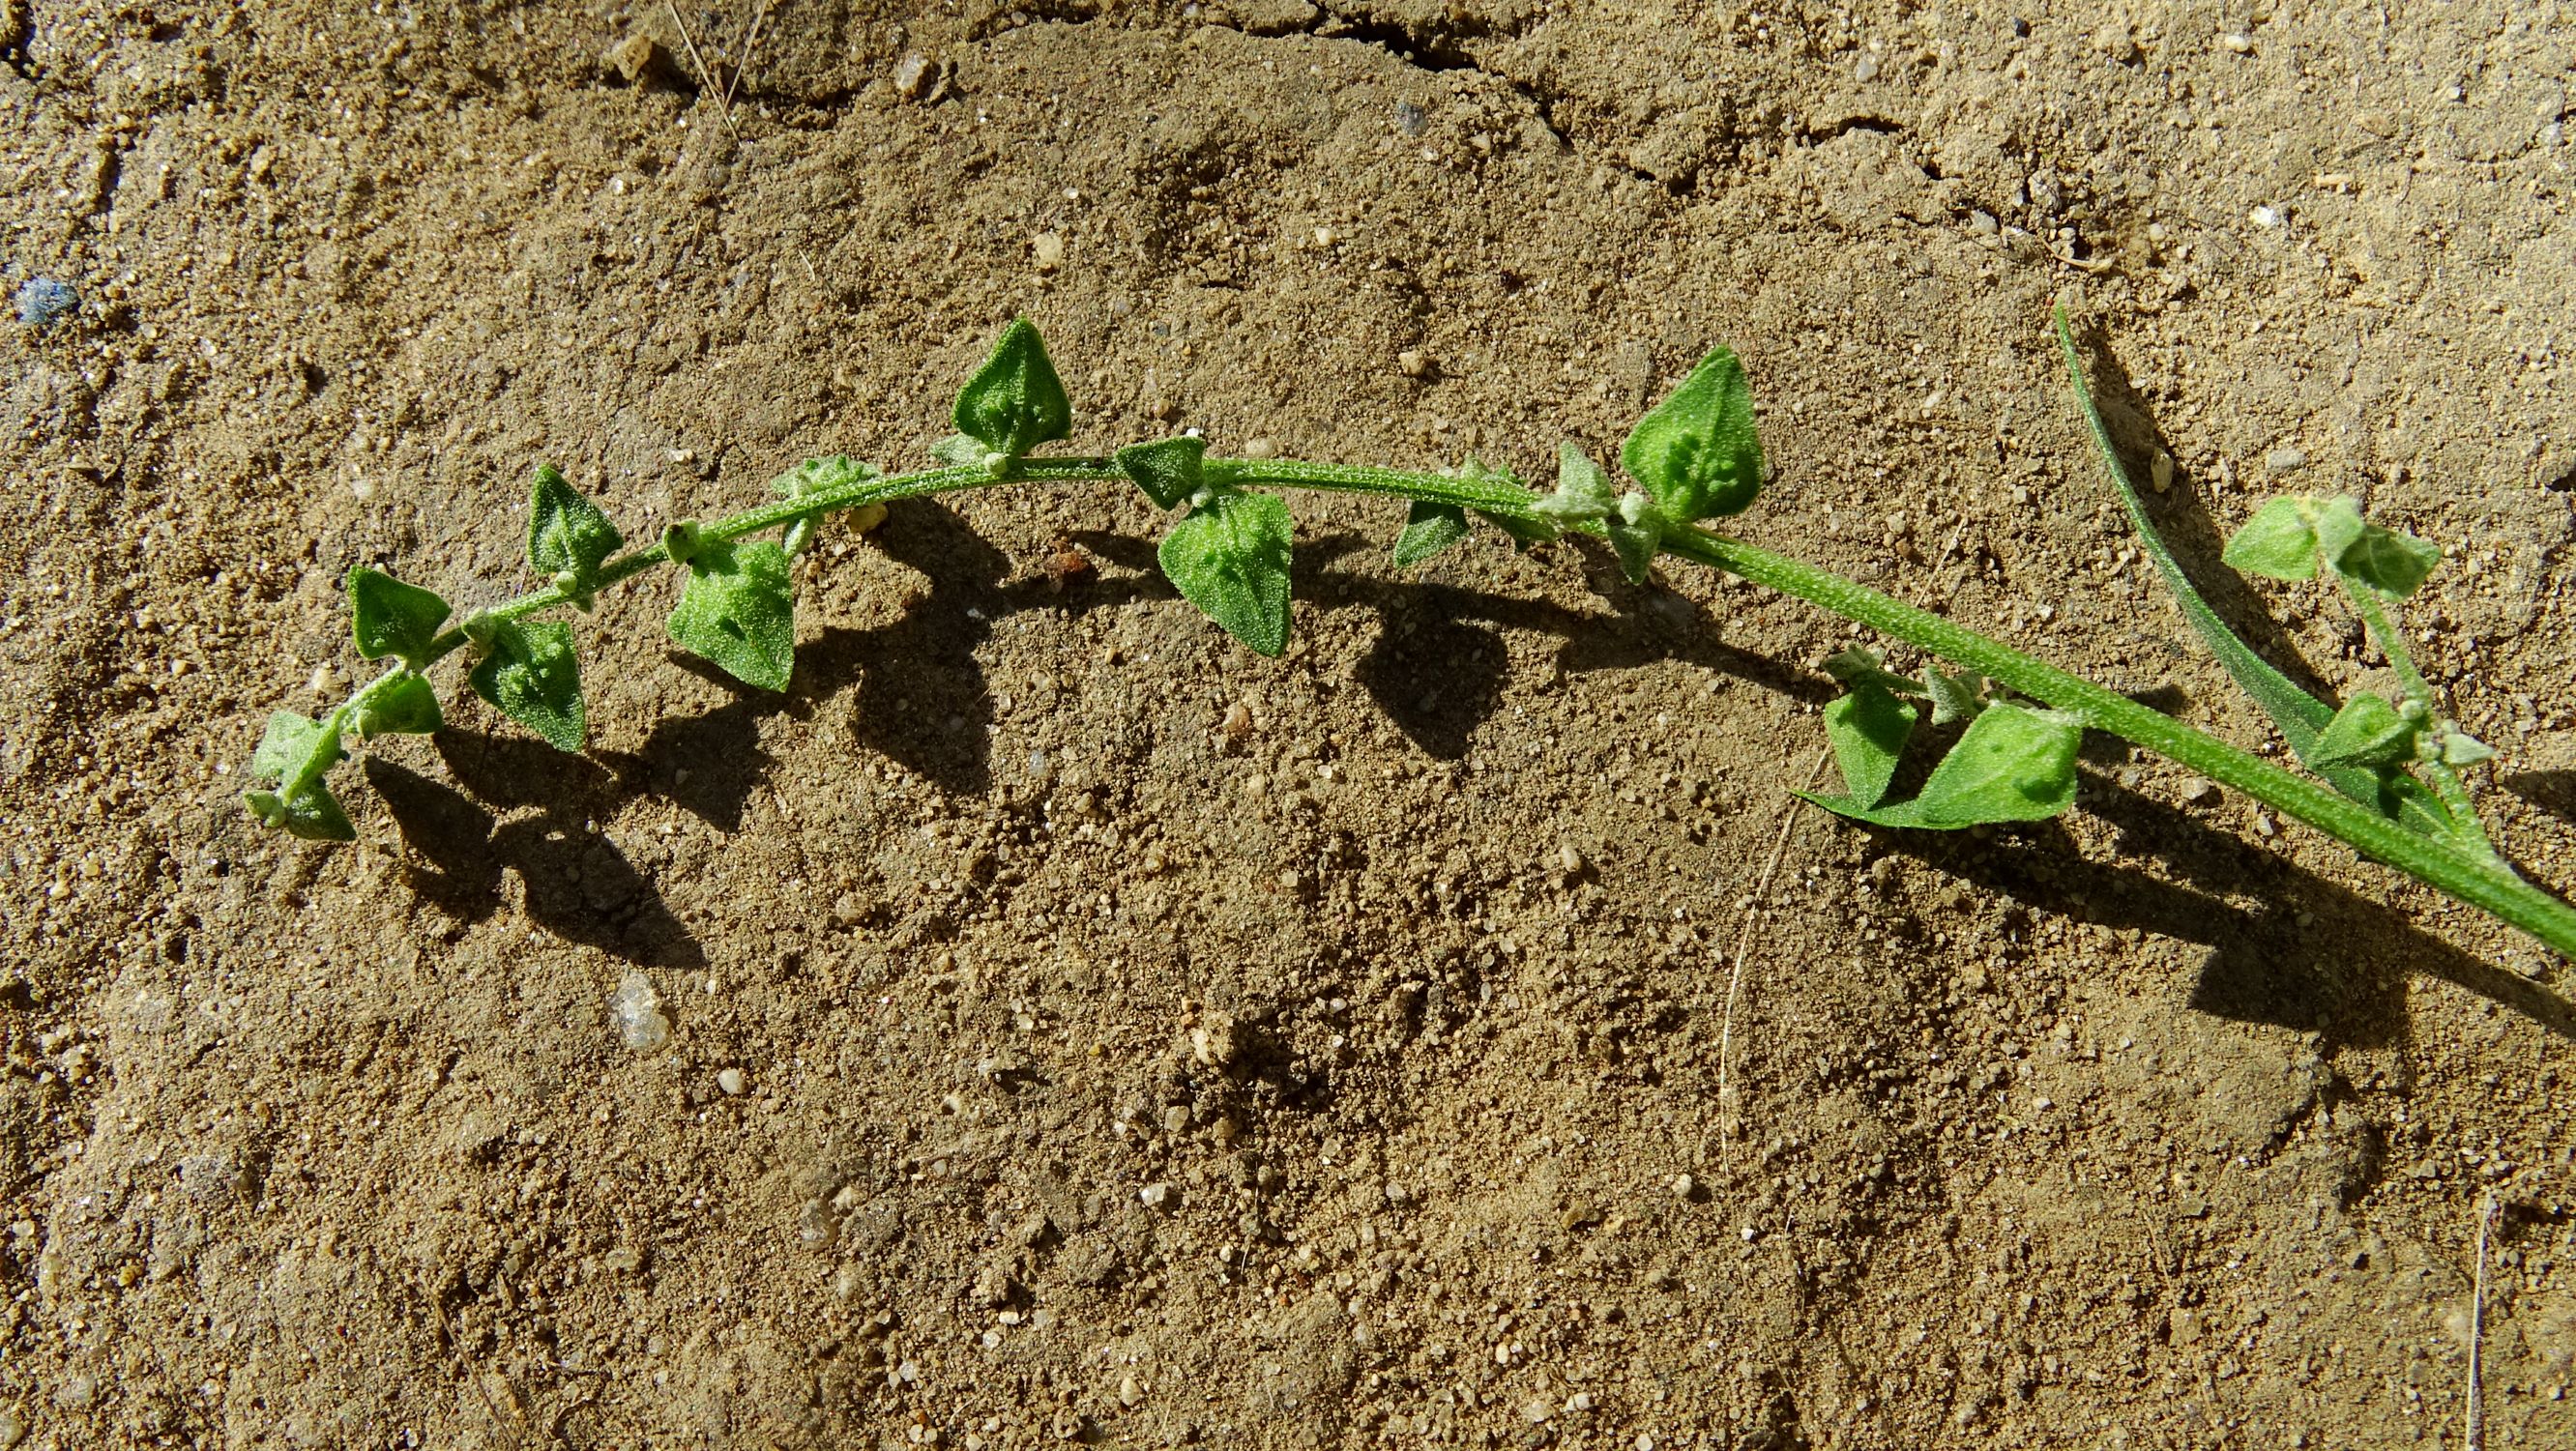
2341,974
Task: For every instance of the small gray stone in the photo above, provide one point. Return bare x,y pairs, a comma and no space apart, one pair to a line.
2286,458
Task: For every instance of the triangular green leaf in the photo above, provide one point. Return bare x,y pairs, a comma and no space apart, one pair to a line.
1015,401
2368,731
290,748
1698,451
1168,471
567,534
309,811
1636,544
533,676
1230,558
294,753
389,617
1868,729
1428,529
739,611
2278,542
2390,562
2338,523
406,707
2013,764
1582,487
1959,695
958,451
2459,748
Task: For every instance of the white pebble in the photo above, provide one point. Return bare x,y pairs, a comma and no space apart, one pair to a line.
731,1081
2264,217
1152,1196
637,1010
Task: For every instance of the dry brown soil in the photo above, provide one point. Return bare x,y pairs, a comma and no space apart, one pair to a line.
1140,1042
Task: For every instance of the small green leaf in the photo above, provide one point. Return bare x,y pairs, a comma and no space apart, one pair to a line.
1868,729
533,676
1015,401
1698,452
1636,534
406,707
1428,529
2012,764
309,811
2459,748
739,611
957,451
1582,487
567,534
1955,696
389,617
2338,523
2390,562
2279,542
2368,731
290,746
1168,471
1229,557
294,753
1859,666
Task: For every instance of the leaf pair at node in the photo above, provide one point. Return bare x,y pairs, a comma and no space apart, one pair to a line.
293,756
1229,555
2286,538
1011,405
2013,763
530,670
1698,454
389,617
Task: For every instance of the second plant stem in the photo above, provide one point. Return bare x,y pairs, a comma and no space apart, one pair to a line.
2472,878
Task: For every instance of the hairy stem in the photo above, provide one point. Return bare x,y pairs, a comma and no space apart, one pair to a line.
2467,876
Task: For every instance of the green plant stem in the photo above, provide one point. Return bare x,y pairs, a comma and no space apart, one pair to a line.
2373,609
2467,877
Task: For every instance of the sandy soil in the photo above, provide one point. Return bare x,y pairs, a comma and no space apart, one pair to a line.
1138,1042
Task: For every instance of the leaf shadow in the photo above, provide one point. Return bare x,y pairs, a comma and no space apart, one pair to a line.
2181,514
576,882
1439,663
2341,973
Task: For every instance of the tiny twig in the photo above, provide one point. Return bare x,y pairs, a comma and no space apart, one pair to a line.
706,81
1744,933
742,52
2475,1437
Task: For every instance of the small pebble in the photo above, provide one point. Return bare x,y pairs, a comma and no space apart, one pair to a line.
1684,1186
2237,41
2264,217
1176,1118
1260,448
1412,363
637,1010
1154,1196
636,59
43,300
1130,1391
1047,250
731,1081
2284,460
2199,792
2161,472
